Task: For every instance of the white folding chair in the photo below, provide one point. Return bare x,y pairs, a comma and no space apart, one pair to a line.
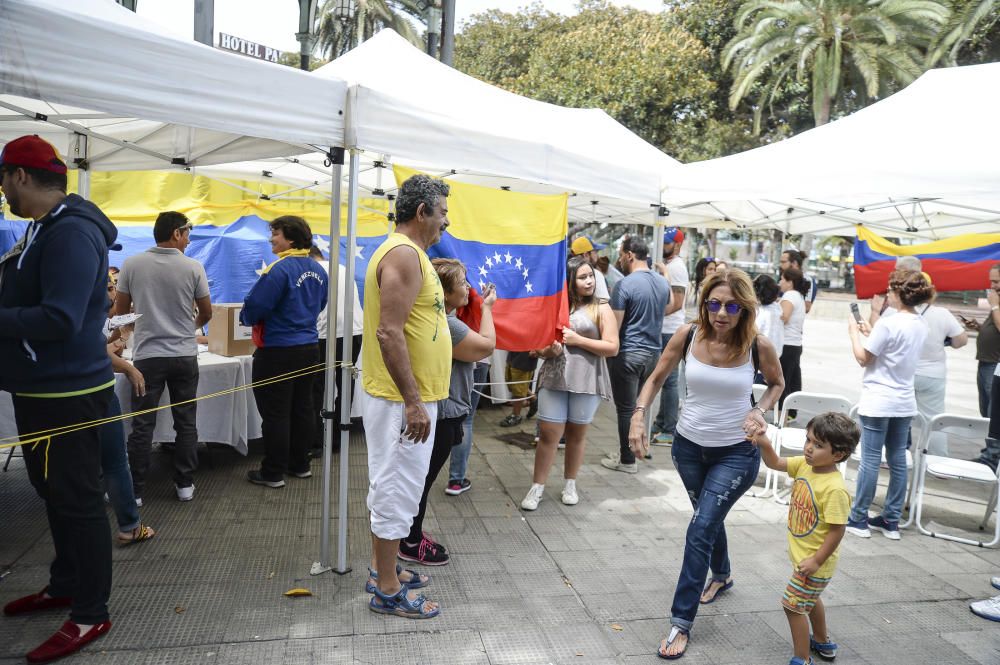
949,468
793,439
772,433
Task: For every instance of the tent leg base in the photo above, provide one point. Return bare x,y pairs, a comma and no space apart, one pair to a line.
341,572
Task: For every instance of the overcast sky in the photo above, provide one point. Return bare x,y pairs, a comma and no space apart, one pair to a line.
275,22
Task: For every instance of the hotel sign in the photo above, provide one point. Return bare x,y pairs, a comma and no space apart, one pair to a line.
252,49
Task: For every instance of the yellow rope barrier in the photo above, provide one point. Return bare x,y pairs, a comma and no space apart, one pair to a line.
37,437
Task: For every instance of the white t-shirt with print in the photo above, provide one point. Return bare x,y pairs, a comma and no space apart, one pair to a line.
677,275
793,329
887,386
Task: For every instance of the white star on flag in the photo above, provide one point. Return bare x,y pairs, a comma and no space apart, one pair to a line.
482,285
489,262
525,272
496,257
263,266
322,243
528,287
482,271
517,263
508,257
357,253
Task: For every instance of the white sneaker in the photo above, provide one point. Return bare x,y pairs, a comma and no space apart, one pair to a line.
138,501
569,495
533,497
184,493
988,609
995,582
615,464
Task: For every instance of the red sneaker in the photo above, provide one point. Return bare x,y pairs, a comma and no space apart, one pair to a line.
66,641
36,602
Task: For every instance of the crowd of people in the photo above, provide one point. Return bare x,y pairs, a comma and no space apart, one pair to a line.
60,346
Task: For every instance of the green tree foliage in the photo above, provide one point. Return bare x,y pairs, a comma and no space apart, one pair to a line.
867,48
645,71
971,35
335,37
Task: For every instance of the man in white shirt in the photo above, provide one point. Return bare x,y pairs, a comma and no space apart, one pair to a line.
585,247
676,273
357,327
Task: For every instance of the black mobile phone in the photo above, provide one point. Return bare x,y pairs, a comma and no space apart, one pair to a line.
856,312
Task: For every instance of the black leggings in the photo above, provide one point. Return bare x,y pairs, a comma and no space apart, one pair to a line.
448,433
791,357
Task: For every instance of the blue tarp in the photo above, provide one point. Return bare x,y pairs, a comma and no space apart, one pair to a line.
232,254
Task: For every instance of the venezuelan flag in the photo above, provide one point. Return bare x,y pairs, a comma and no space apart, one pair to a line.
518,242
955,264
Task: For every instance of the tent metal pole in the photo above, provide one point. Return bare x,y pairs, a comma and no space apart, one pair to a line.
82,160
348,376
333,270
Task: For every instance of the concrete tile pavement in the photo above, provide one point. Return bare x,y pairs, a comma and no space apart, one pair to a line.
590,583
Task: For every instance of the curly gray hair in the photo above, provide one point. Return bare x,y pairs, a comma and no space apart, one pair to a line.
416,190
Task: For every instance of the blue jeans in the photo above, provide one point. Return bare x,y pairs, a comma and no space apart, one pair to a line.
460,454
114,465
876,433
715,478
629,370
666,418
984,382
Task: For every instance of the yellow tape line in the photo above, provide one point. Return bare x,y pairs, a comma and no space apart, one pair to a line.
37,437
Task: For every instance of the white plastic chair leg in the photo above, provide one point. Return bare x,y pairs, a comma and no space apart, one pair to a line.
990,507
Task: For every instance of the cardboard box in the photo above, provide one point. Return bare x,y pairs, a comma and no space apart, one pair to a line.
226,337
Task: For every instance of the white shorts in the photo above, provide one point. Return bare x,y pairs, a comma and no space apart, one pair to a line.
397,467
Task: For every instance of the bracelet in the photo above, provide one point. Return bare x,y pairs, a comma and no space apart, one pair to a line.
758,407
639,407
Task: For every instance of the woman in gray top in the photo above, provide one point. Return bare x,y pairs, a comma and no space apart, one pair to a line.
572,381
467,346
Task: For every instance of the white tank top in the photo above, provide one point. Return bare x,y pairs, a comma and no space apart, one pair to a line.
717,402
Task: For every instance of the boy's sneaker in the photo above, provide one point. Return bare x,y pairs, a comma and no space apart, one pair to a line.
456,487
185,493
889,529
533,497
615,464
510,421
987,609
859,528
569,495
426,552
825,650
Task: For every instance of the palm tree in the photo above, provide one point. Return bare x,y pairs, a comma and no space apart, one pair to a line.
336,37
966,16
864,47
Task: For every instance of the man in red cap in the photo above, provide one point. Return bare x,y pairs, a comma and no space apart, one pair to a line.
53,304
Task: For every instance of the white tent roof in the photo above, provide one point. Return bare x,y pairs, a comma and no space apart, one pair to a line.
92,67
924,158
408,105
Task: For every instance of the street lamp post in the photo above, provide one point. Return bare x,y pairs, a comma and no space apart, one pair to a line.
305,37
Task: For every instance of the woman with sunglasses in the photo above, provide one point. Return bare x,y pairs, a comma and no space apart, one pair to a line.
712,451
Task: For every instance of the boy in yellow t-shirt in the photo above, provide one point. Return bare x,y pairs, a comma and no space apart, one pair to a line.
818,508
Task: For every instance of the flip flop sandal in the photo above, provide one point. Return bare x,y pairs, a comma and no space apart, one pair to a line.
139,534
725,587
400,605
417,581
825,650
674,632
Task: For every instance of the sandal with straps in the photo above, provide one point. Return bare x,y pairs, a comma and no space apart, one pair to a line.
674,632
139,534
417,581
400,605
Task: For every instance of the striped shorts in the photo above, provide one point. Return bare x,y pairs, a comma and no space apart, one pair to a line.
802,592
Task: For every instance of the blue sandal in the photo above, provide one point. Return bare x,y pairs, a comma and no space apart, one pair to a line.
726,586
417,581
400,605
825,650
674,632
798,661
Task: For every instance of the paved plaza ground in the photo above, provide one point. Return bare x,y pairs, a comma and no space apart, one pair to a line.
587,584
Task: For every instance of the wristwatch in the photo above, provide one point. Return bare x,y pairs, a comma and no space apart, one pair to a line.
758,407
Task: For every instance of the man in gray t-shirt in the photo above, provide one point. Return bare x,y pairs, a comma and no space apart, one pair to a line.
639,302
170,292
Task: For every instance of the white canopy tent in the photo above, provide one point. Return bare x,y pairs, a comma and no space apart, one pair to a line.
921,163
114,91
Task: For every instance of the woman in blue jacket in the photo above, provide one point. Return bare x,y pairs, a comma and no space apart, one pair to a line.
282,308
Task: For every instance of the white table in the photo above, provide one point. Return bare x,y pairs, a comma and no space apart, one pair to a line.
231,419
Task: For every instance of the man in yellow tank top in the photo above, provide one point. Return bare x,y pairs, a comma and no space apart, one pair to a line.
406,361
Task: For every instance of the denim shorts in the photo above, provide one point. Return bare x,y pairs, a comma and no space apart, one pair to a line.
560,406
